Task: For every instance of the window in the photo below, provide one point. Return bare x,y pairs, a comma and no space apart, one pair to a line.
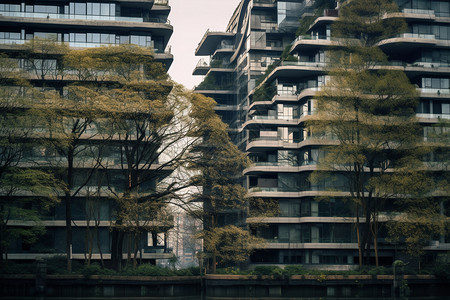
80,9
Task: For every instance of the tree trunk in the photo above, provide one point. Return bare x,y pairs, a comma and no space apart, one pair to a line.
2,243
214,261
116,248
68,198
358,235
136,248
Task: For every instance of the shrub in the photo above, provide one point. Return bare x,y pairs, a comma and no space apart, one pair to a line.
295,270
148,270
96,269
191,271
57,265
15,268
442,271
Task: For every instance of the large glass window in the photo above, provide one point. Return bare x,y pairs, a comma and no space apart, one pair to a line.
10,7
80,9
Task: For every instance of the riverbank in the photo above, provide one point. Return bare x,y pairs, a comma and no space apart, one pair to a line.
220,287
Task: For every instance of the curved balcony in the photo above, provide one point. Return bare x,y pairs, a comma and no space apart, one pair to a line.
290,69
408,42
275,167
274,192
304,220
308,42
272,143
258,121
299,95
275,244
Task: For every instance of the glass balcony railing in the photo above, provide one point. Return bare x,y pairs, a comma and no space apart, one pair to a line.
310,37
284,164
70,17
434,116
274,189
12,41
434,91
285,118
202,63
418,36
162,2
303,64
418,11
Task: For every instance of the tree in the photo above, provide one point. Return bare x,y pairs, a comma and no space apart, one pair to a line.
115,129
418,222
152,129
24,192
67,116
145,128
369,112
218,164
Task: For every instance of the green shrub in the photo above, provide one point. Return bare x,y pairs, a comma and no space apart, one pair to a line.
264,270
295,270
378,271
442,271
191,271
148,270
57,265
96,269
16,268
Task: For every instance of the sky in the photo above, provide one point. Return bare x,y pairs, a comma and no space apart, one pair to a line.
191,19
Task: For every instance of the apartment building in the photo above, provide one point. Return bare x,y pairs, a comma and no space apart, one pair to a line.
80,25
271,97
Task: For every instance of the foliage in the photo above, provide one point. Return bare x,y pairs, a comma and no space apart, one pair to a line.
269,70
306,21
96,269
26,192
369,112
218,164
231,244
365,22
213,82
264,92
285,56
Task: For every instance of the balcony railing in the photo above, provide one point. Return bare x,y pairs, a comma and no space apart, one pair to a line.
303,64
418,36
162,2
284,164
418,11
70,17
310,37
285,118
434,116
434,91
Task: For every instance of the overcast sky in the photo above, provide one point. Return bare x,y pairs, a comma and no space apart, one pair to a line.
191,19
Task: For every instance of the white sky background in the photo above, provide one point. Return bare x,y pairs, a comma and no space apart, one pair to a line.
191,19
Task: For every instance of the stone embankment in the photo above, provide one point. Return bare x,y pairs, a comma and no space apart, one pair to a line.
215,287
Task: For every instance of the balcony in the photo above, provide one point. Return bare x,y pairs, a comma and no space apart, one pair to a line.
201,68
434,92
162,2
410,13
409,42
433,116
310,42
70,17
